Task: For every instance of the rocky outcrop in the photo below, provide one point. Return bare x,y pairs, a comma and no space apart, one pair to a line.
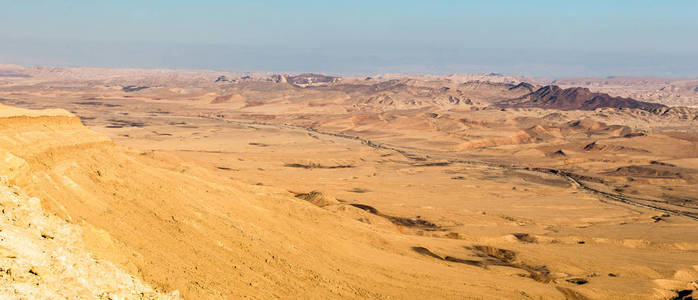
311,79
224,78
684,113
523,86
277,78
318,198
43,257
133,88
554,97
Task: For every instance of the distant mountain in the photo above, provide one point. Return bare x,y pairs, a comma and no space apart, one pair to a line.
311,79
576,98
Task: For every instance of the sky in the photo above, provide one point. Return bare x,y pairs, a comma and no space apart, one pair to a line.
533,38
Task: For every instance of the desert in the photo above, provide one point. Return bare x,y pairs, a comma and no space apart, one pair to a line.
209,184
348,150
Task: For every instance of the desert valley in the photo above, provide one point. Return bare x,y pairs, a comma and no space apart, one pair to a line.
166,184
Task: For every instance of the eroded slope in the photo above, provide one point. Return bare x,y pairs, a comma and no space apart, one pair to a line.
43,257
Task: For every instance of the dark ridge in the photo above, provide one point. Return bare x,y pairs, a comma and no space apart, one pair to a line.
465,261
401,221
124,123
407,222
223,78
683,295
590,146
425,251
392,84
133,88
162,133
525,237
433,164
634,134
659,219
559,152
310,165
365,207
311,78
492,256
523,85
577,98
257,144
476,84
95,103
578,281
651,171
661,163
503,255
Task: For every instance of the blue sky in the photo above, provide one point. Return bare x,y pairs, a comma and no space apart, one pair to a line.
538,38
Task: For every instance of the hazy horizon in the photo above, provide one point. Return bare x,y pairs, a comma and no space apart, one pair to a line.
540,38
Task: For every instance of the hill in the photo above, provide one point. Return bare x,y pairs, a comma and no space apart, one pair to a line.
577,98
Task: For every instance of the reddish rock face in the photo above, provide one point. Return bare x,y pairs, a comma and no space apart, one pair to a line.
578,98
